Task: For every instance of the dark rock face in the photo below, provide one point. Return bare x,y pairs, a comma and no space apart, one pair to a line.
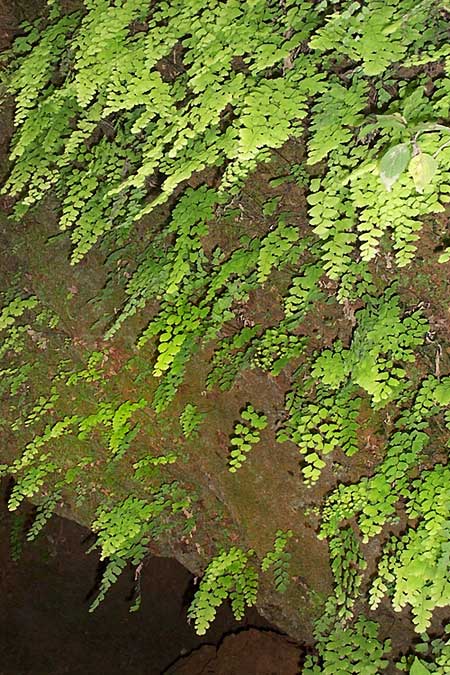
45,626
12,13
252,652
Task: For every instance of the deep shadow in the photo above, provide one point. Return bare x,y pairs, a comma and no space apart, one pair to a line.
45,626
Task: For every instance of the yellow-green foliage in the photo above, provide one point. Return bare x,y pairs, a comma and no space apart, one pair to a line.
118,106
245,434
278,560
353,650
228,575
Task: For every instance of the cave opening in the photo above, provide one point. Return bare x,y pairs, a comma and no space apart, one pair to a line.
45,625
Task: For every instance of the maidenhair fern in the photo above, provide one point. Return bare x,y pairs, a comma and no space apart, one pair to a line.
353,650
375,33
190,420
124,530
245,434
347,565
319,423
129,108
373,499
108,94
276,348
413,569
434,657
278,560
16,535
381,344
44,512
233,355
229,575
15,309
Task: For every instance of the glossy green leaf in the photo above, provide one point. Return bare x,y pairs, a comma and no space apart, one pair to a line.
442,393
394,163
422,168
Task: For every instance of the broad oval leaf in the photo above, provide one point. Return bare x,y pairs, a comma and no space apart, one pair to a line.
393,163
445,256
422,168
418,668
442,393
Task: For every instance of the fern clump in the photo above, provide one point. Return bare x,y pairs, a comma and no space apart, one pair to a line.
435,651
373,499
382,341
228,575
349,650
44,512
245,434
347,565
374,33
276,348
102,95
320,425
190,420
405,572
147,122
234,354
278,560
412,570
124,530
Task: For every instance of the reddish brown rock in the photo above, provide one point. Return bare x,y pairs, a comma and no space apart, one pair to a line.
250,652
